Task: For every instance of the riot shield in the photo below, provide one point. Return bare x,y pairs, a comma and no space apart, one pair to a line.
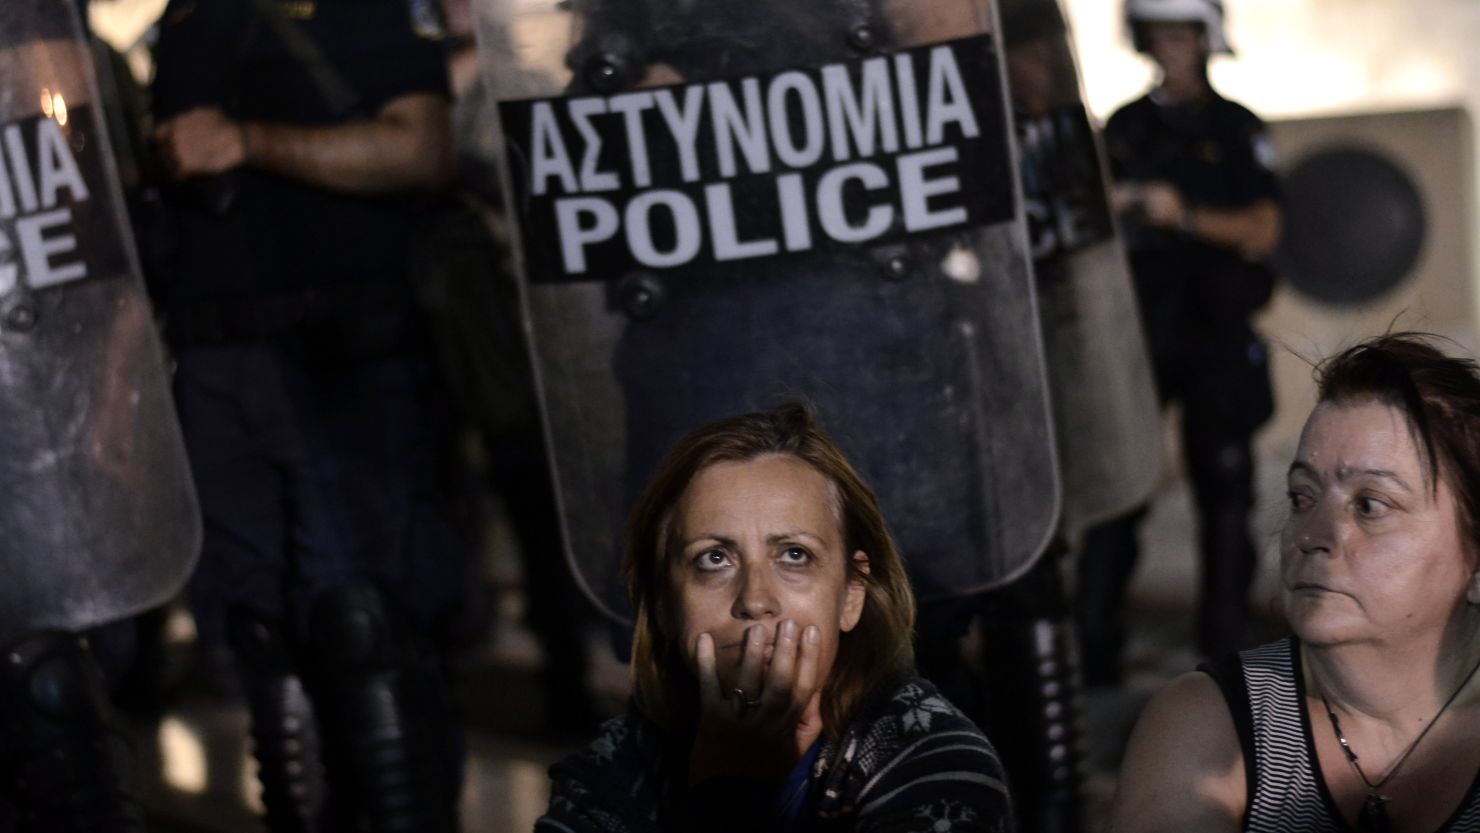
729,204
98,513
1105,406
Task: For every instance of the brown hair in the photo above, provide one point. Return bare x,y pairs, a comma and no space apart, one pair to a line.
878,645
1437,393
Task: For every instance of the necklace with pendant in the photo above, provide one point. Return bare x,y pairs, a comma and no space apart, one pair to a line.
1373,817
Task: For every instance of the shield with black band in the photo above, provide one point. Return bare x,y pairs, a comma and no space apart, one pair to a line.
724,206
1099,371
99,518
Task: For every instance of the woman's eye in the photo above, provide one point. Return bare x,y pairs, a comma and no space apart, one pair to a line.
1299,501
795,555
711,560
1371,507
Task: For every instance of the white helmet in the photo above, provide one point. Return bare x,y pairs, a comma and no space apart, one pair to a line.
1207,12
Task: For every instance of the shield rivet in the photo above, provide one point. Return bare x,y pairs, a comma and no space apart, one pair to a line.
641,295
606,72
863,38
897,268
21,318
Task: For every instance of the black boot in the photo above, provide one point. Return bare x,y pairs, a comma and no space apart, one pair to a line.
385,721
1106,563
1033,715
1223,484
1225,622
284,736
71,767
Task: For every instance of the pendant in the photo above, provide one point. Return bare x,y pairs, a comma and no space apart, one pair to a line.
1374,817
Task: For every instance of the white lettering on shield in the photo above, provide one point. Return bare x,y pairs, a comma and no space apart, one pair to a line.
888,142
37,241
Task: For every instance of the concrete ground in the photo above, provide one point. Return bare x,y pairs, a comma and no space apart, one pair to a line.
199,775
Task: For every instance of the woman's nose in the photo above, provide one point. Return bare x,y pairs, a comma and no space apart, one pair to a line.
757,597
1318,529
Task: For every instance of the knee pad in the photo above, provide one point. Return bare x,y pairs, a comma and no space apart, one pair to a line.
358,630
384,719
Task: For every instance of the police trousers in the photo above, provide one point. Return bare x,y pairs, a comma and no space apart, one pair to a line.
313,477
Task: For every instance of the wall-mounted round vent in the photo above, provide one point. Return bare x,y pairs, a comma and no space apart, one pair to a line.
1354,226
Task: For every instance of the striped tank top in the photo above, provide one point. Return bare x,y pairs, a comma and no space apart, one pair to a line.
1265,690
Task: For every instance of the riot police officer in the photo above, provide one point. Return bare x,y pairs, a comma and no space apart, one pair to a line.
1105,419
300,135
99,517
1201,209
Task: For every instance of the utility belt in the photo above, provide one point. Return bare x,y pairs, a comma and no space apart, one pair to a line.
1224,285
330,322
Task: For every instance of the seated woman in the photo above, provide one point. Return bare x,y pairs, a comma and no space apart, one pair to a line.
1368,718
772,662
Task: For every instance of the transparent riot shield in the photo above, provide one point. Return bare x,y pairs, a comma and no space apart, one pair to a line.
98,516
729,204
1099,371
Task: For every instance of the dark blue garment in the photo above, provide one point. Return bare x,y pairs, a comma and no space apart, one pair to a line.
304,390
310,479
794,800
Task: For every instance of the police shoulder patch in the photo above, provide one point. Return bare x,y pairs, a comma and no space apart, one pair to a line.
1264,150
426,19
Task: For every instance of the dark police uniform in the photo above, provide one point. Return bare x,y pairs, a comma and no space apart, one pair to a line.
304,389
1196,300
289,308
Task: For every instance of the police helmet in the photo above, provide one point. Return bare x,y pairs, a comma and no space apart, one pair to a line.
1207,12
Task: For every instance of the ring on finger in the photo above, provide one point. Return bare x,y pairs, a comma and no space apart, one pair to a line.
743,704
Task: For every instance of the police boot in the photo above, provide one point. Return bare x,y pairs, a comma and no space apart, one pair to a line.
1225,622
1032,717
1106,562
70,766
1221,466
284,737
383,718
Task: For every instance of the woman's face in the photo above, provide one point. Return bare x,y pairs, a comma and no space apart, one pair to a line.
760,542
1370,552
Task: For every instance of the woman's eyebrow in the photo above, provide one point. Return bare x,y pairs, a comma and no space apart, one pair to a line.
709,536
772,539
1345,473
780,537
1303,467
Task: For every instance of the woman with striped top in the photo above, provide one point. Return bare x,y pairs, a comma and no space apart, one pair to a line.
1368,718
772,660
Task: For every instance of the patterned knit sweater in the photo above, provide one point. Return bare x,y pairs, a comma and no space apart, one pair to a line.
909,762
